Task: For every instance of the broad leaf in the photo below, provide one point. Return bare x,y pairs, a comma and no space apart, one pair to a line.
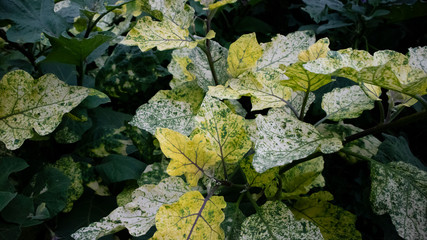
224,130
74,50
282,138
5,198
315,51
116,168
334,222
418,57
348,102
73,126
192,64
31,19
302,178
267,180
275,221
74,172
138,216
395,149
302,80
9,165
212,4
232,222
318,9
28,104
154,173
284,50
191,157
264,87
400,190
192,217
243,54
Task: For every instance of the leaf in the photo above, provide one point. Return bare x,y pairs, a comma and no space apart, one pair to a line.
9,165
334,222
117,168
19,211
39,104
31,19
315,51
284,50
418,57
74,172
192,64
191,157
243,54
9,231
154,173
5,198
395,149
348,102
302,80
282,138
191,218
275,221
318,9
366,146
73,126
222,92
264,87
224,130
301,178
128,71
232,222
400,190
138,216
74,50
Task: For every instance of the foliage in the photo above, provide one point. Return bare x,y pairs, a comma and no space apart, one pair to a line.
173,119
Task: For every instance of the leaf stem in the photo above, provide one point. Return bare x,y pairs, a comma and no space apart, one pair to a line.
347,152
321,120
259,212
207,51
381,108
304,102
421,100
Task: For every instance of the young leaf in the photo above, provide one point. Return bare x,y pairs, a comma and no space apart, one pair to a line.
400,189
334,222
138,216
243,54
284,50
28,104
224,130
282,138
301,178
31,18
275,221
348,102
264,87
191,157
192,217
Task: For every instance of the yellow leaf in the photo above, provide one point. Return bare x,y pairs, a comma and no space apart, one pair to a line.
243,54
315,51
190,157
301,79
192,217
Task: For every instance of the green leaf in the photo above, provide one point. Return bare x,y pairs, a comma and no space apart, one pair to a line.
73,126
348,102
10,165
264,87
224,130
191,218
5,198
282,138
138,216
74,172
128,71
284,50
192,64
275,221
28,104
74,50
400,190
31,19
19,211
334,222
395,149
318,9
243,54
302,178
191,157
9,231
117,168
302,80
154,173
232,222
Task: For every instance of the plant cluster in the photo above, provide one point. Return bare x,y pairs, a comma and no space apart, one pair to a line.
247,142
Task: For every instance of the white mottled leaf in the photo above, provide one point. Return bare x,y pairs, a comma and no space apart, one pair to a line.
348,102
284,49
282,138
418,57
400,189
275,221
28,104
138,216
